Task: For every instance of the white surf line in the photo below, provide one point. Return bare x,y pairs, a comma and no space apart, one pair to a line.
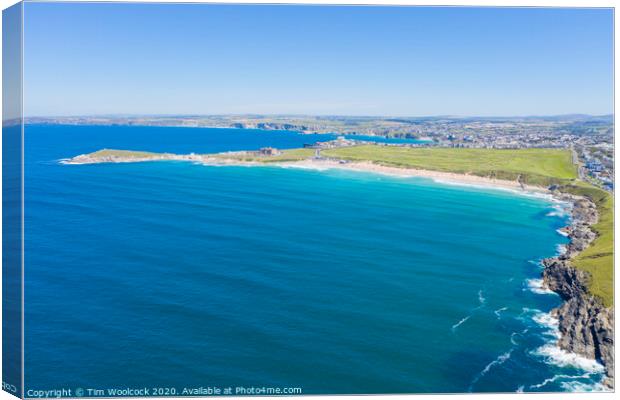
552,354
556,377
560,249
537,286
498,361
499,311
576,386
514,334
460,323
548,321
481,300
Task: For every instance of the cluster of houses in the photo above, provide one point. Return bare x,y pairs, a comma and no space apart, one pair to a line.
598,163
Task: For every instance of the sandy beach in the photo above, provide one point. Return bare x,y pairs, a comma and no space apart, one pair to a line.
438,176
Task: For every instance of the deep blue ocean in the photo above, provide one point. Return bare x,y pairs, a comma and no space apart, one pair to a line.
180,275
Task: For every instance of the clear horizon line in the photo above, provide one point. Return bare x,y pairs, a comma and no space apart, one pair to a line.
457,116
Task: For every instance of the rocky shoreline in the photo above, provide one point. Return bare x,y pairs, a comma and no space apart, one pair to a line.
585,324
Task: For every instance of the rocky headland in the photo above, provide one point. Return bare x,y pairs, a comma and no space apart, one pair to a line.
585,324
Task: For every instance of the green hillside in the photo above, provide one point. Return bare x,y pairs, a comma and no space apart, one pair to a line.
533,166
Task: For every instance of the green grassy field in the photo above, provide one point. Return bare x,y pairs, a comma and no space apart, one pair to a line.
533,166
123,154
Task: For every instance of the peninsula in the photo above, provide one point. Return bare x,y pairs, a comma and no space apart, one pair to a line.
582,276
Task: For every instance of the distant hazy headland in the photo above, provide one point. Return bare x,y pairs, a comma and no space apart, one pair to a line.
529,131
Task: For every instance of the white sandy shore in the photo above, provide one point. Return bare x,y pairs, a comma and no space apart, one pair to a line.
445,177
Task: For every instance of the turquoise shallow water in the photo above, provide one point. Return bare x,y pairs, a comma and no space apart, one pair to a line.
180,275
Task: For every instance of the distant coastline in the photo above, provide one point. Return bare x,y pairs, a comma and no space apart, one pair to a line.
448,131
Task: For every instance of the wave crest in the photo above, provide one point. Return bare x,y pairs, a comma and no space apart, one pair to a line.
562,358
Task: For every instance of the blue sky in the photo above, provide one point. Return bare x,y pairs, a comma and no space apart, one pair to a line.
108,58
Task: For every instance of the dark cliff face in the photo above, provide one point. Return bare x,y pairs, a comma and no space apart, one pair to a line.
586,326
587,329
563,279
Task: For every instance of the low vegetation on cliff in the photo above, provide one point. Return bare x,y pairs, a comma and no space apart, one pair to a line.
126,154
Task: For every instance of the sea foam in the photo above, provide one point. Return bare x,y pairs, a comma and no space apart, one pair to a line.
537,285
498,361
560,249
557,377
555,355
576,386
461,322
560,210
548,321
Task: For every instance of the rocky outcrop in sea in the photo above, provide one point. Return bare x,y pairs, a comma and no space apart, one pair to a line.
585,324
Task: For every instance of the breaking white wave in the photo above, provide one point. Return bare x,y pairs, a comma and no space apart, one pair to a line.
526,313
481,185
306,166
548,321
537,285
461,322
481,300
560,249
498,361
576,386
559,210
554,355
554,214
537,263
513,335
499,311
556,377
